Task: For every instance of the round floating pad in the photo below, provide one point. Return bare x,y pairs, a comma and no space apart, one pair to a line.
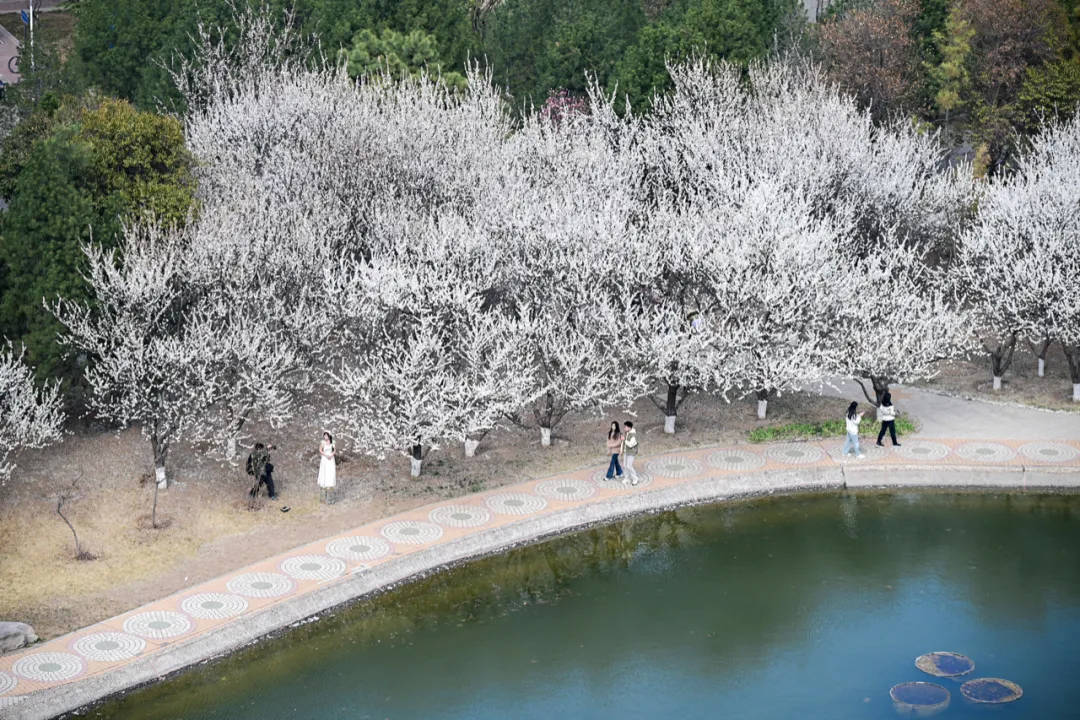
945,664
919,699
991,690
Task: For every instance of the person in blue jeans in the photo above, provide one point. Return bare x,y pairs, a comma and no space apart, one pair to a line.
852,426
614,447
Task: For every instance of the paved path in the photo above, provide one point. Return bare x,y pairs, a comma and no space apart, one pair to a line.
225,613
9,50
953,417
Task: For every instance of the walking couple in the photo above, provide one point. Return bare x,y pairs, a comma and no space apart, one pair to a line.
622,442
886,415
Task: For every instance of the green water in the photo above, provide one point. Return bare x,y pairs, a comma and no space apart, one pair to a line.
803,607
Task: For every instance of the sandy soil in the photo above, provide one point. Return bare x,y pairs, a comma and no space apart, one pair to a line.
1021,383
210,530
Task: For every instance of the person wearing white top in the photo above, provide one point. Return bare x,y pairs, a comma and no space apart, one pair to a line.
852,423
886,415
630,451
327,466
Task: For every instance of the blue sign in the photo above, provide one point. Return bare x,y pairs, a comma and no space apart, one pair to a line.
25,17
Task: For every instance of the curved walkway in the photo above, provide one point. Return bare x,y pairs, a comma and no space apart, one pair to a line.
225,613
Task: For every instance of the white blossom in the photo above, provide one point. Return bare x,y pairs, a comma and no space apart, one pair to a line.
30,417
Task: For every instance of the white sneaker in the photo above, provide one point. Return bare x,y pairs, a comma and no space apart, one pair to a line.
860,456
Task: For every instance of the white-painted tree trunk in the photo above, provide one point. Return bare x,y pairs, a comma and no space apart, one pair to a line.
470,447
669,424
545,437
230,449
159,473
414,466
1076,392
762,407
997,382
1042,367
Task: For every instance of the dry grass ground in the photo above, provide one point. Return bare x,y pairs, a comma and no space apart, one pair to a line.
1021,383
210,529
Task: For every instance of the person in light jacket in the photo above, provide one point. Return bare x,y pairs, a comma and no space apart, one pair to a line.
886,415
851,422
630,451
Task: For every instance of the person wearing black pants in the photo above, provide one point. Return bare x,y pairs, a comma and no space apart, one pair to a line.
259,465
886,414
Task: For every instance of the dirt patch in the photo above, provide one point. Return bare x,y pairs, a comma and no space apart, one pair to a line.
1021,384
206,526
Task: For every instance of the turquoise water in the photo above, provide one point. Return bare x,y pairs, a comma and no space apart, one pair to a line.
791,608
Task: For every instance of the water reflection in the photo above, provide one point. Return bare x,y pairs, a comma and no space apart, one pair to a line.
761,607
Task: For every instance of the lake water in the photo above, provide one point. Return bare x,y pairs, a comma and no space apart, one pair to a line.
802,607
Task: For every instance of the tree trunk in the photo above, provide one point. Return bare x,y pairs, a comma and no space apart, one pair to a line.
416,461
671,408
161,450
237,424
545,436
1039,350
762,403
470,447
153,510
1001,358
1072,354
881,386
78,547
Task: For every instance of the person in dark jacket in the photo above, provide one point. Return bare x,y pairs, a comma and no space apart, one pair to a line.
259,466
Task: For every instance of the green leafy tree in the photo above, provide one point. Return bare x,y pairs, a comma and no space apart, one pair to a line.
96,165
1050,92
951,75
50,216
642,72
399,54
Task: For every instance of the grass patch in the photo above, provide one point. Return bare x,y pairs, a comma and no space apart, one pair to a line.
825,429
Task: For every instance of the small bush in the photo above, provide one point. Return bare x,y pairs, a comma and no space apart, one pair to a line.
825,429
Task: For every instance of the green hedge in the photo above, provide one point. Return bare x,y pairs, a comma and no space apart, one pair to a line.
825,429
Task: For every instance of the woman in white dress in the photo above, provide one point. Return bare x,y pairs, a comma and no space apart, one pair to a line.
327,467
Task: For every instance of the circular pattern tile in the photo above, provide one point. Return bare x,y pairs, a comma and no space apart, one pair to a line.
157,624
1049,451
870,449
675,466
600,479
922,450
313,567
735,460
109,646
214,606
516,503
260,585
460,516
566,489
795,453
49,667
411,532
7,682
358,548
985,452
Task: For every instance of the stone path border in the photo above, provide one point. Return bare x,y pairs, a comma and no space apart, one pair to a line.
223,614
